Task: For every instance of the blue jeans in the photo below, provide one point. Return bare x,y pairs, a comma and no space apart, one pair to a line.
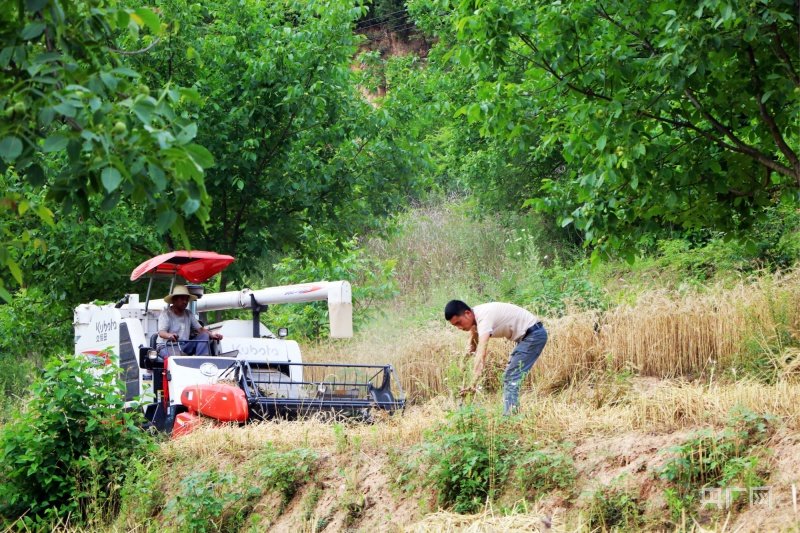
520,362
196,346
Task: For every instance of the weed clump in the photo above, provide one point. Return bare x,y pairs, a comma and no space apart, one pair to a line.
716,460
285,472
541,471
222,501
469,459
615,507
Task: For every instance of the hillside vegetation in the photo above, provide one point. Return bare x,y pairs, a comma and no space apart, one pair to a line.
658,381
628,171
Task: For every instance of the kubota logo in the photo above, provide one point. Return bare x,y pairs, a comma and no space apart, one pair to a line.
104,327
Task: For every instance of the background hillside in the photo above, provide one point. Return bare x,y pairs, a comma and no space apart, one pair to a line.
629,172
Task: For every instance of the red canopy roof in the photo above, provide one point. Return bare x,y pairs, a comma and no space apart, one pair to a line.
195,266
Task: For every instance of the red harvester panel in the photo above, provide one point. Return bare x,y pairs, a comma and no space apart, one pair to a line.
221,402
185,423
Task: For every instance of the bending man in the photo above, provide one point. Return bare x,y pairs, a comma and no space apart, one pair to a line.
497,319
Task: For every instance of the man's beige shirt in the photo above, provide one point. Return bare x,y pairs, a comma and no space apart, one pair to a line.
503,320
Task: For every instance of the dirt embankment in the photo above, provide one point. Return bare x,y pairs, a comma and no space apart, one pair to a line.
334,502
624,444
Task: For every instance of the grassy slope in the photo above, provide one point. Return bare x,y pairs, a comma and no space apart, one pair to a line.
621,383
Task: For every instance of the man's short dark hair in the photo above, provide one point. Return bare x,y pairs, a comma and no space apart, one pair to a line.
455,308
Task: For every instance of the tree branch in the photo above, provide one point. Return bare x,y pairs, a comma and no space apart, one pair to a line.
647,44
137,52
781,53
769,119
738,145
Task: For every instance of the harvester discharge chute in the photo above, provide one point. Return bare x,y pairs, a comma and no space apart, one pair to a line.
250,374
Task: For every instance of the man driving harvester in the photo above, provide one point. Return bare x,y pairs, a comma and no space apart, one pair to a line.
497,319
177,325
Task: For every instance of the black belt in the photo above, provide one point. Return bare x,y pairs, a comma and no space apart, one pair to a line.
533,328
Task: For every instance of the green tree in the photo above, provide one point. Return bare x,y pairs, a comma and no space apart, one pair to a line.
80,123
677,114
296,145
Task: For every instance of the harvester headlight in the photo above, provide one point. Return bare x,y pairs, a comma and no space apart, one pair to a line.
152,354
283,332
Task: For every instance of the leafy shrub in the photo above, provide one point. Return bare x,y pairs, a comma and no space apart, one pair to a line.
202,501
469,460
541,471
285,472
141,497
614,507
33,327
702,262
551,291
715,460
67,453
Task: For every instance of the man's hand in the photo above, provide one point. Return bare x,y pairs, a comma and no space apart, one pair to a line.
173,337
215,336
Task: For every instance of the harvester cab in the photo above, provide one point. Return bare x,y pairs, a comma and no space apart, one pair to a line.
251,373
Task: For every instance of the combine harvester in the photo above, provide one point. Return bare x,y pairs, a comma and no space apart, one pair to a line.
252,373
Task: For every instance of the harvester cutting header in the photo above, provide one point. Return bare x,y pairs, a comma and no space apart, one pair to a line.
249,373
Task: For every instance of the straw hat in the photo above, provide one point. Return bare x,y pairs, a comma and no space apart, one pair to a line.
179,290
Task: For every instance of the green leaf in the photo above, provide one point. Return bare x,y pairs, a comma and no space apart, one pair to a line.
109,81
55,143
4,294
144,108
10,148
165,220
32,30
34,5
35,175
45,215
187,134
15,270
124,71
190,206
111,178
200,155
157,176
65,108
150,19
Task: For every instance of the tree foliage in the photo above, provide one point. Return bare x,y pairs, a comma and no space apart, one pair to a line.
81,123
296,145
680,114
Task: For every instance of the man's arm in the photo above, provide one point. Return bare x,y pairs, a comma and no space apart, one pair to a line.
199,328
480,358
481,348
164,334
214,336
473,340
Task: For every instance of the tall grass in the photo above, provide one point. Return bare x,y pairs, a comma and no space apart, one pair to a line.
442,254
663,335
440,249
